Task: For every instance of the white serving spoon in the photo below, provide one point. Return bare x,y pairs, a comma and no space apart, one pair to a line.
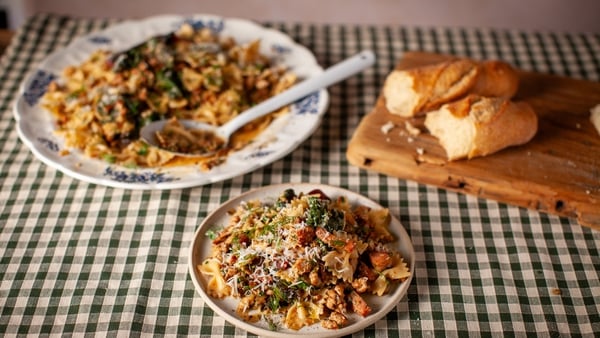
330,76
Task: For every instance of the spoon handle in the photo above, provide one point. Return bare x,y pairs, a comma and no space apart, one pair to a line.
330,76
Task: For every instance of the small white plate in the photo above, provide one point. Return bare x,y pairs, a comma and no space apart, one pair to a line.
201,246
36,127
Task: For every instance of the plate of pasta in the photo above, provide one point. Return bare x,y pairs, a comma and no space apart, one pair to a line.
293,260
80,110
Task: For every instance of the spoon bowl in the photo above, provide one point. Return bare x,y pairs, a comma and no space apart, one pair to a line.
186,132
221,135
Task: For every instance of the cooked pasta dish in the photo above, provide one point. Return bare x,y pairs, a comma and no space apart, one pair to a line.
304,259
100,105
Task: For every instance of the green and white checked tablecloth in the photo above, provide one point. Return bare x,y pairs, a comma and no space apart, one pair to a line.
77,258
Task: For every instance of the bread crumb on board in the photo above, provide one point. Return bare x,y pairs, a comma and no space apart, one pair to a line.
412,130
408,127
595,117
386,128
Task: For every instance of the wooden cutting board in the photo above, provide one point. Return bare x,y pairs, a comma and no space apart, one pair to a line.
558,172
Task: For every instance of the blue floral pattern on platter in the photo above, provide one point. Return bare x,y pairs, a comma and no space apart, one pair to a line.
259,154
100,40
280,49
133,177
308,105
215,25
48,143
37,86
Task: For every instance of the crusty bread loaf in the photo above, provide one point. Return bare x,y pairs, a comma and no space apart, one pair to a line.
479,126
419,90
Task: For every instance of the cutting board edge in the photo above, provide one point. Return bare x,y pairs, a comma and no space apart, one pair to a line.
536,197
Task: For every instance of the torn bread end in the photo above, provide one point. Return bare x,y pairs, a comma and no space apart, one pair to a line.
400,96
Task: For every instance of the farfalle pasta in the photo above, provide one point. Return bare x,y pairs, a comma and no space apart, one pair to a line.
101,104
302,260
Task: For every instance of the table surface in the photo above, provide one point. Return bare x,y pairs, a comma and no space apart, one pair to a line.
79,258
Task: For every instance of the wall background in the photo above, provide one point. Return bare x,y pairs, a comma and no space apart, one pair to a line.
544,15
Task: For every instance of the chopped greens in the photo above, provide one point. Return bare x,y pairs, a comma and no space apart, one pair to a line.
319,215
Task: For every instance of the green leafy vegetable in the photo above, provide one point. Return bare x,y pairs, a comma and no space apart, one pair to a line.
319,215
212,234
143,150
110,158
165,80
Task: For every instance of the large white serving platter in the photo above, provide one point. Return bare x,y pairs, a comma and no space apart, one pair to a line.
36,126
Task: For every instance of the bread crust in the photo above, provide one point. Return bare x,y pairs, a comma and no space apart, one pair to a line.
493,124
444,82
419,90
496,79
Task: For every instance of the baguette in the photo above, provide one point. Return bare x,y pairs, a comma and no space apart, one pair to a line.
419,90
478,126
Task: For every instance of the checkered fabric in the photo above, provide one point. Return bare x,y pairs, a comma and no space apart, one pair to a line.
78,258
